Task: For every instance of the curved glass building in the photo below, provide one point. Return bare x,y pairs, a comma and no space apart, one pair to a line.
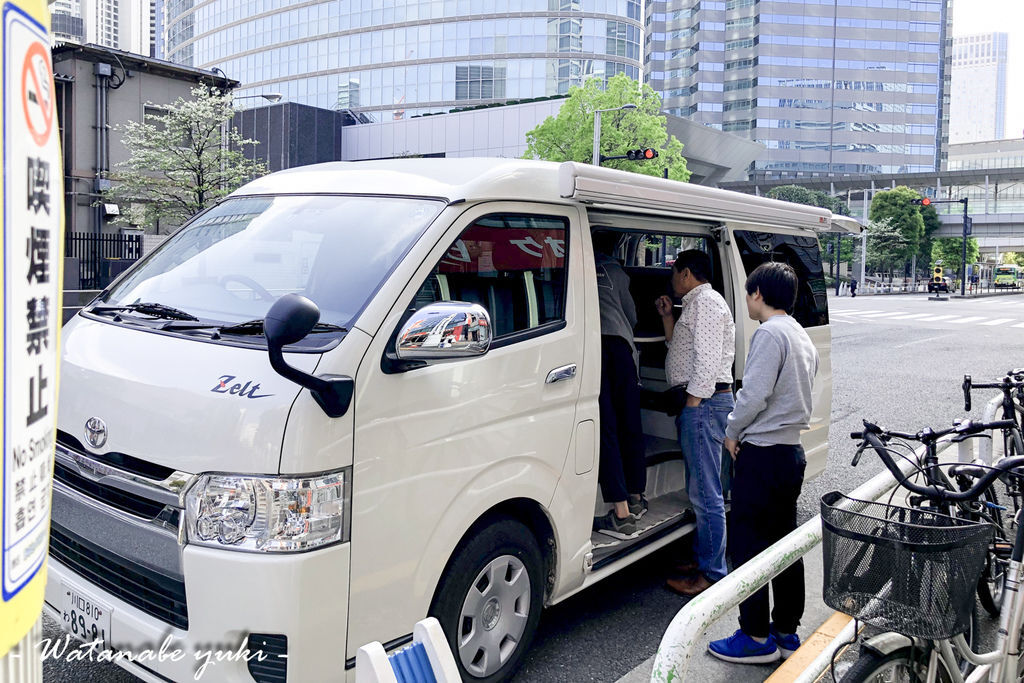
397,58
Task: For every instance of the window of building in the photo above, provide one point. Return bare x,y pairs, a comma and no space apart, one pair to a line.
514,265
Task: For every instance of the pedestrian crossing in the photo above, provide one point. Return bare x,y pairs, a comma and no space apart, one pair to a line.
989,313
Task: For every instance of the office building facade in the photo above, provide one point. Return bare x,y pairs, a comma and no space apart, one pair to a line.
978,96
66,22
411,57
828,86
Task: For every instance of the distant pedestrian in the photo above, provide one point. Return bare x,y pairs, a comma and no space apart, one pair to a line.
853,287
763,436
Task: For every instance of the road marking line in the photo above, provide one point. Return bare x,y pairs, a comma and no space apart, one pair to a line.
883,315
910,316
936,317
922,341
1018,325
809,651
997,321
861,312
971,319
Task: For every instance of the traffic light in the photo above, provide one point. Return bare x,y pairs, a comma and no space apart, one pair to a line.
937,274
641,154
921,201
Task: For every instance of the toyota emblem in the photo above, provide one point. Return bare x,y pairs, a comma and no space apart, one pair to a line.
95,432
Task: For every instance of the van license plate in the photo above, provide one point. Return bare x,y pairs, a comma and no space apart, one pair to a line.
85,617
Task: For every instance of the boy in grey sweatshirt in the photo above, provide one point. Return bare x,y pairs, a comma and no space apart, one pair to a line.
763,437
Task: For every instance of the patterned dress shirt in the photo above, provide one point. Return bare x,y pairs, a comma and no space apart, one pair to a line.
703,343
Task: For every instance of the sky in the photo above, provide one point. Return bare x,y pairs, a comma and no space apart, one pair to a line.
1007,16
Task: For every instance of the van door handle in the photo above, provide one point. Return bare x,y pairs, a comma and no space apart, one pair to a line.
561,374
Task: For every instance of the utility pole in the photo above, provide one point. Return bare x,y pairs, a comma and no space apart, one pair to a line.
968,225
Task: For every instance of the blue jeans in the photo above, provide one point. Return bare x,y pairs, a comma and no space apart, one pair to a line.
701,432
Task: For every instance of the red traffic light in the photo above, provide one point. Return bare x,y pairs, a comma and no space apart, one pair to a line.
926,202
641,154
649,153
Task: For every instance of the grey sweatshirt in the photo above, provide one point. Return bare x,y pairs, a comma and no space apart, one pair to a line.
774,404
618,312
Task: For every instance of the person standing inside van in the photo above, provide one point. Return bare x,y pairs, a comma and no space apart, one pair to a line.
763,437
623,469
698,367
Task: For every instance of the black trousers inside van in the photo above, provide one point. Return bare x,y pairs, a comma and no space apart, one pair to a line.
623,468
765,486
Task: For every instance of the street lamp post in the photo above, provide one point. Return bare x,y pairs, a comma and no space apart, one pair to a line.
967,229
268,96
596,158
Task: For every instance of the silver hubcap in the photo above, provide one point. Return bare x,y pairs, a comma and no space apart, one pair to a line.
494,616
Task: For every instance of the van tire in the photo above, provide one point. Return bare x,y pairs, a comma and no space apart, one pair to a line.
507,548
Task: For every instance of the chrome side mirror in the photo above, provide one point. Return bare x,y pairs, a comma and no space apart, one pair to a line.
445,331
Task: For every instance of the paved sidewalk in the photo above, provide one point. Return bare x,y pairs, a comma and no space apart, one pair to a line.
707,669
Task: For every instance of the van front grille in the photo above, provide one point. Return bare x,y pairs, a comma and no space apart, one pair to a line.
114,497
155,594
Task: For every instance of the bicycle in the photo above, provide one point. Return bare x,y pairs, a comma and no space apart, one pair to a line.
913,570
1012,387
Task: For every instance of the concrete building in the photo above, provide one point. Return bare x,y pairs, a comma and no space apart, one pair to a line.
396,60
828,86
292,134
97,90
125,25
66,23
987,154
978,96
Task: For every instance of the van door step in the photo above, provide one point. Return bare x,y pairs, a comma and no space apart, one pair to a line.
661,510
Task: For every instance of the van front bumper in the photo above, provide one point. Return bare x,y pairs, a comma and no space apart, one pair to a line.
230,595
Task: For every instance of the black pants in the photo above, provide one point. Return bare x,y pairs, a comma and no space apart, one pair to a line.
766,483
623,468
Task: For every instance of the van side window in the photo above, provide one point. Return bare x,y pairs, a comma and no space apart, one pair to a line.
513,265
804,255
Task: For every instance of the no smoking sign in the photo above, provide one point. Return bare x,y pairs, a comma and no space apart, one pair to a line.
36,98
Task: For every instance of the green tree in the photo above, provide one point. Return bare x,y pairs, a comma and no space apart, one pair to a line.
1012,257
802,195
182,160
570,135
896,206
930,218
950,249
887,246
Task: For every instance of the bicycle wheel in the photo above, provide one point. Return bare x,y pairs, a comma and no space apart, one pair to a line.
993,576
907,664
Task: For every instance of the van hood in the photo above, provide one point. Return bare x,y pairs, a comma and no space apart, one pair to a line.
178,402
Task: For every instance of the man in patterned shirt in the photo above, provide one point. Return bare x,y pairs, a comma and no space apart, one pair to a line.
701,347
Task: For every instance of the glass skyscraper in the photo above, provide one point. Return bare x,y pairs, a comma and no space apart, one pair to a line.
829,86
391,59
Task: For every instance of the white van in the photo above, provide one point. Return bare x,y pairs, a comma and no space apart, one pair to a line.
428,441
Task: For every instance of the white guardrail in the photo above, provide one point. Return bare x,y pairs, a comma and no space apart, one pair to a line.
689,625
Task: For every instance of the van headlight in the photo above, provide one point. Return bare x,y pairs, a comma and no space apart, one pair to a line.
268,514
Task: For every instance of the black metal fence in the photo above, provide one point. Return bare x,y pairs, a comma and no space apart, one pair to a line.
101,258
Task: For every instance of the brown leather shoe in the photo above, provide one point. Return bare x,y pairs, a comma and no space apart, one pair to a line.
694,585
686,568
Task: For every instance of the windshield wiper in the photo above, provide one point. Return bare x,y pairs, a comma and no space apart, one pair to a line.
147,308
253,327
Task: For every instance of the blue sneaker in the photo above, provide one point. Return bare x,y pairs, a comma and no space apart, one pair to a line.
787,644
742,649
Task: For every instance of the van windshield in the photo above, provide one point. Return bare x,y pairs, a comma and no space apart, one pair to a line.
231,263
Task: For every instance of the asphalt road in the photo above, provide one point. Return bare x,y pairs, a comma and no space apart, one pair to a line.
892,364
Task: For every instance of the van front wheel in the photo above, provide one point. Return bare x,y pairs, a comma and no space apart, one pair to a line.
490,600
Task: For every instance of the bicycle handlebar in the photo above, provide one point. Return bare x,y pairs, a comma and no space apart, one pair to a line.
1014,379
876,437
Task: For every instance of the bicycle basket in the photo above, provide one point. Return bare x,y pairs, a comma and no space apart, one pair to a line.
901,569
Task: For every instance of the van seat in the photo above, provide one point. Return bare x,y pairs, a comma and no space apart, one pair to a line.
659,449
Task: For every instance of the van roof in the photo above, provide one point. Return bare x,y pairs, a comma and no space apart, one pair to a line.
490,178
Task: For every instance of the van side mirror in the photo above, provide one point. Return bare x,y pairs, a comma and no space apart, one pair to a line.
289,320
445,331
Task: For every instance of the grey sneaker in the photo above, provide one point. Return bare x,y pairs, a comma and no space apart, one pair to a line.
637,505
613,526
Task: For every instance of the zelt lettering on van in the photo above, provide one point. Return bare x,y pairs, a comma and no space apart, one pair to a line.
354,394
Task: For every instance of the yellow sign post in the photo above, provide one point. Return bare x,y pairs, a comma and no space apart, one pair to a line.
32,205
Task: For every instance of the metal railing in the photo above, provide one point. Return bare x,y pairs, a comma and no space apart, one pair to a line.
101,257
691,622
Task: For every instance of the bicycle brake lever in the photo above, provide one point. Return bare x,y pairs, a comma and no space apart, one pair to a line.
856,456
967,392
